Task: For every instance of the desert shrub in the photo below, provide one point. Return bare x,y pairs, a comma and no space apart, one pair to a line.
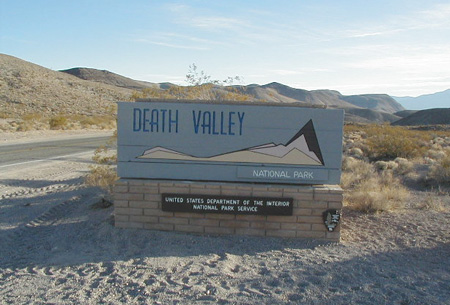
428,160
353,128
24,126
386,142
356,152
32,117
355,172
436,154
103,156
404,166
386,165
33,121
103,122
368,190
440,170
87,121
102,176
58,122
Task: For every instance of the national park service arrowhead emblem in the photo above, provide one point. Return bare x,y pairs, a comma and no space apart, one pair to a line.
331,219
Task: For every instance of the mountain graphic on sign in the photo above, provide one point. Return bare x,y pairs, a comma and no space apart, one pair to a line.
302,149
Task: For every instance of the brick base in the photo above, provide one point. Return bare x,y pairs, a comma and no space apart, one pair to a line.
137,204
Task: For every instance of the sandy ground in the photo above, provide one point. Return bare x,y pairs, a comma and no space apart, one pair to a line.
57,247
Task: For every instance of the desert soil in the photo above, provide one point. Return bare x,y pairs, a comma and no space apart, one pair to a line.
59,246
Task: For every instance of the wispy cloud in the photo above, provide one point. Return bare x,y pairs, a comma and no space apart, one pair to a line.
170,45
374,32
423,59
198,18
228,28
437,16
216,22
190,38
283,72
439,12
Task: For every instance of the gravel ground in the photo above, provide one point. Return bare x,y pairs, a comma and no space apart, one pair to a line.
59,247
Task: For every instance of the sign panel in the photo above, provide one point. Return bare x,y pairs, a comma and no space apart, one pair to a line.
226,204
235,142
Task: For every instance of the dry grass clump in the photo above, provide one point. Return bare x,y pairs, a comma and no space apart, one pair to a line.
30,122
104,156
433,203
386,165
371,191
83,122
103,174
355,172
399,166
58,122
102,122
404,166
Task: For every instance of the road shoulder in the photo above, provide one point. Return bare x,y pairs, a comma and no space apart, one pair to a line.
7,138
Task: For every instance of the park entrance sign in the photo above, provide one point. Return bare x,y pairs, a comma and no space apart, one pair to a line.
258,169
229,142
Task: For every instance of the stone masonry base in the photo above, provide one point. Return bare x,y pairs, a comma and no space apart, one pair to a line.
137,204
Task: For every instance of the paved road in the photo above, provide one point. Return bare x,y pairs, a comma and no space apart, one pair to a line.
14,154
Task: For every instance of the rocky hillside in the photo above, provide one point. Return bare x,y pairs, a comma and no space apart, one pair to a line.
109,78
27,89
358,115
377,102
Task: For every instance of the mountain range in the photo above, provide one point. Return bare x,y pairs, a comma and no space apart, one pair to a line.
28,89
437,100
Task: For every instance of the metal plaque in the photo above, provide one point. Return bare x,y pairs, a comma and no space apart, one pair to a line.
226,204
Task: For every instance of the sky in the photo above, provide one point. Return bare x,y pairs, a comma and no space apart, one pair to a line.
397,47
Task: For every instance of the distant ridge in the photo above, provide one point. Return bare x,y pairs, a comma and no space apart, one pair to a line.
378,102
405,113
279,93
272,92
369,116
437,116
